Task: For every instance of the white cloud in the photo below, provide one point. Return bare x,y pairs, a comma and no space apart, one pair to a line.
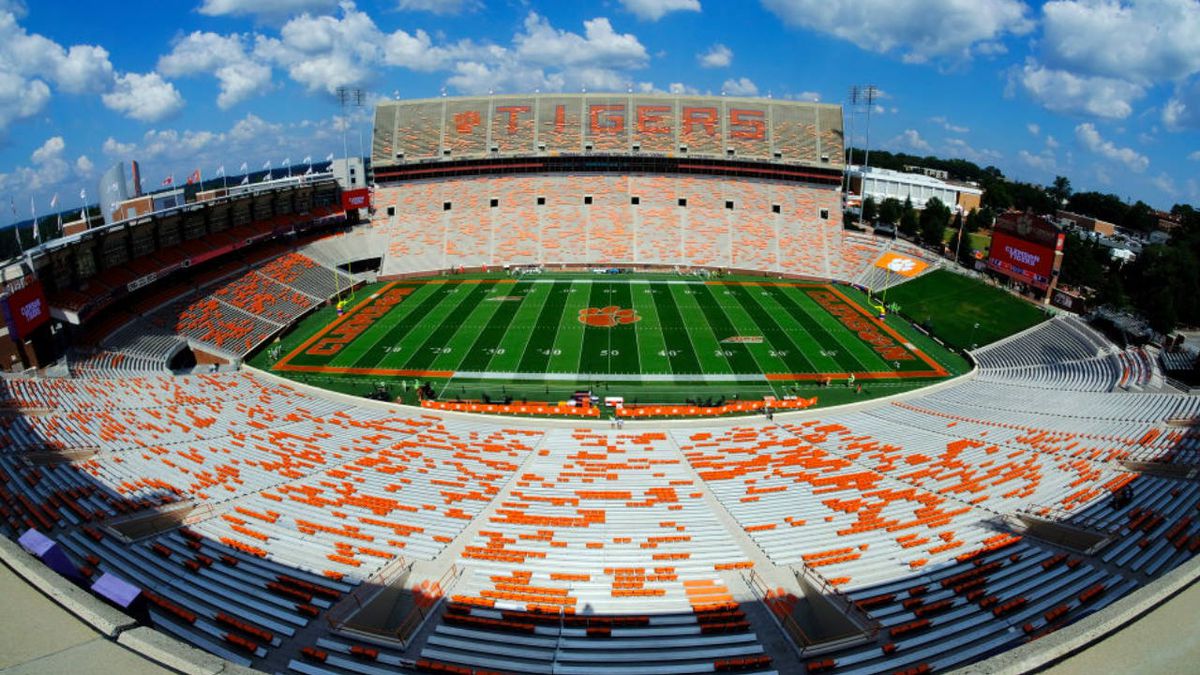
83,69
240,81
599,47
31,63
267,9
653,10
957,147
681,88
51,149
910,140
919,30
251,139
948,126
1097,57
1066,92
1051,142
1090,138
323,53
808,96
201,52
147,98
546,58
84,166
225,57
1033,128
1044,161
48,169
742,86
1166,184
439,6
1142,42
20,97
1182,110
717,56
1194,156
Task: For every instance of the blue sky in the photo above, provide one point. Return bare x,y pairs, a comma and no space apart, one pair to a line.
1106,92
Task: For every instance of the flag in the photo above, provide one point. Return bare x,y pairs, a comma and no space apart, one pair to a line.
33,212
308,159
246,180
221,170
267,165
169,180
54,200
194,177
243,168
83,195
329,158
309,172
12,204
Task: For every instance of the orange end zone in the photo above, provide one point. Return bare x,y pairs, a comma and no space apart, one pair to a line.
937,369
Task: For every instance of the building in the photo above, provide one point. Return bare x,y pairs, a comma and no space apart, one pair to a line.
940,174
1167,222
880,184
1027,249
349,173
1086,223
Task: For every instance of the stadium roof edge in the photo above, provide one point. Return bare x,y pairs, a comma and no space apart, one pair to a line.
601,94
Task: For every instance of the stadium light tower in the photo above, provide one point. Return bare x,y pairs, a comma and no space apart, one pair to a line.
863,95
348,97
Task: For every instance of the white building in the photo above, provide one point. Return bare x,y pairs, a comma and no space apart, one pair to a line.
349,173
879,184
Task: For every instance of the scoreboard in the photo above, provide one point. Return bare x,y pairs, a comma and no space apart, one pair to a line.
448,129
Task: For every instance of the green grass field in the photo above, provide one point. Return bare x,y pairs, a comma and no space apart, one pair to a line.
963,311
660,338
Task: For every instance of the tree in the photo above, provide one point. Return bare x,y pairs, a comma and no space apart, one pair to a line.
1164,284
1140,217
996,195
933,222
869,211
1060,191
890,210
1107,207
1084,262
908,219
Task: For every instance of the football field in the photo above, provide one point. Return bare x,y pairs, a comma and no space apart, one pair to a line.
602,328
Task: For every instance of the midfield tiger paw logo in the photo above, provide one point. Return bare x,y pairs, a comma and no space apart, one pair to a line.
607,317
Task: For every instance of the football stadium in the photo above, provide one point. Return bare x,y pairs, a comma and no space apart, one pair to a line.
582,384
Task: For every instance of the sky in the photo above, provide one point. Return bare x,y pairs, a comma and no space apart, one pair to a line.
1106,92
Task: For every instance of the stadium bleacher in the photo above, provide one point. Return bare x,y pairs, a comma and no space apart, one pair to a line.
595,550
231,309
656,220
